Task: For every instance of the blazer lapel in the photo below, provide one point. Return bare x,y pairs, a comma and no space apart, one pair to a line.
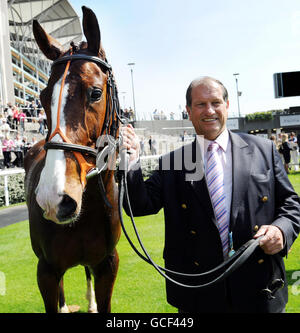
196,180
241,165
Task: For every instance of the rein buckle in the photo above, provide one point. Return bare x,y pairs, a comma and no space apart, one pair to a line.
272,288
92,173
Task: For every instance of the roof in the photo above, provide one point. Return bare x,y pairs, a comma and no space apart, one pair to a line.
57,17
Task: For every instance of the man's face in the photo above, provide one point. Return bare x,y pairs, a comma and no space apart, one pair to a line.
208,111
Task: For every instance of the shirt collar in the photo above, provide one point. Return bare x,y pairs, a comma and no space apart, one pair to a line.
222,140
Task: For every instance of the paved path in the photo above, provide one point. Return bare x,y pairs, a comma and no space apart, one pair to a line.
12,215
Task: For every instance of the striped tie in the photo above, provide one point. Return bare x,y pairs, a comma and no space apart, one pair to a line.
215,183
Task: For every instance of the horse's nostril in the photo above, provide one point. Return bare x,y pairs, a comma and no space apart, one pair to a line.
66,208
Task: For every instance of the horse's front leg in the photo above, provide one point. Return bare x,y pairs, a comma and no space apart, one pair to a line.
48,282
105,275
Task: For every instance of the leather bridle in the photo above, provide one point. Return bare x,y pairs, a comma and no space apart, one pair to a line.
109,128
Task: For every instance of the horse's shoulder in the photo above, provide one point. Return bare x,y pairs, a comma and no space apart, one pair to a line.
35,154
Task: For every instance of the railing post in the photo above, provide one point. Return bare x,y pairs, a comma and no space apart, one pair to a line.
6,191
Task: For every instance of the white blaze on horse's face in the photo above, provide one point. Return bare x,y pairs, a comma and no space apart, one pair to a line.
51,187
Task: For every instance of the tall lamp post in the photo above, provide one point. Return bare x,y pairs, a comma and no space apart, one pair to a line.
131,64
237,92
124,93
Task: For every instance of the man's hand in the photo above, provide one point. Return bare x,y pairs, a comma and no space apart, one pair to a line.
130,141
273,240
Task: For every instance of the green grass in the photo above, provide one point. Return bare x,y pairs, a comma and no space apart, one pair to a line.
138,288
295,180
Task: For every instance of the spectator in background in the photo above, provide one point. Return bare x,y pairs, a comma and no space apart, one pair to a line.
142,146
9,114
162,115
273,138
27,112
26,145
131,114
279,139
153,147
185,114
2,120
33,141
292,137
126,113
4,127
1,153
183,136
42,119
18,150
7,147
155,115
294,151
22,117
33,112
285,150
150,144
15,117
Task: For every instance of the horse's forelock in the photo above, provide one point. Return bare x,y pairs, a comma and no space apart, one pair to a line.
83,46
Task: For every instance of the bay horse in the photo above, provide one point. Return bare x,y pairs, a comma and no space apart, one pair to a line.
71,222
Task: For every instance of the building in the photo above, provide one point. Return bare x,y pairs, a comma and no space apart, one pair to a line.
24,70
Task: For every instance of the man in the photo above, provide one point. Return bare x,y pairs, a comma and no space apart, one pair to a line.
252,197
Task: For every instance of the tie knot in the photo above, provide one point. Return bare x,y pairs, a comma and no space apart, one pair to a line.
213,147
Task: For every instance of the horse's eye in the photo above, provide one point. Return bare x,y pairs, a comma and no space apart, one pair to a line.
96,94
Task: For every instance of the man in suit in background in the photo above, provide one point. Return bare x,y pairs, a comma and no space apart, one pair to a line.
237,190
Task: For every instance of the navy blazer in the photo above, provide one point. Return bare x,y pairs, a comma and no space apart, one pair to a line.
261,194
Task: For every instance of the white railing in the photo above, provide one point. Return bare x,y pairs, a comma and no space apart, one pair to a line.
6,173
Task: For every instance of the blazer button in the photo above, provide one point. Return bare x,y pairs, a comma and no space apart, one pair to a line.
183,206
256,228
264,198
260,261
193,232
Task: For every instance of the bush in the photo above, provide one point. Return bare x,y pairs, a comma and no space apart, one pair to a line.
259,116
15,188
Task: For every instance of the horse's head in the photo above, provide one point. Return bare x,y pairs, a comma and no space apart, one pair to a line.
75,104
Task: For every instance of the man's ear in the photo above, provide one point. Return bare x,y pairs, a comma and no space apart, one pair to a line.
189,111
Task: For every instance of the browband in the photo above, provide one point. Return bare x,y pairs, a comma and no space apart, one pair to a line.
82,57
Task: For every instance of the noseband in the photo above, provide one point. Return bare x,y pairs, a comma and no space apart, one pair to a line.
111,121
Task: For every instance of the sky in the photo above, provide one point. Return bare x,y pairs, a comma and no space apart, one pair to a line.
173,42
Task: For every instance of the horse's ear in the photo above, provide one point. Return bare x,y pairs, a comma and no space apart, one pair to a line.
47,44
91,30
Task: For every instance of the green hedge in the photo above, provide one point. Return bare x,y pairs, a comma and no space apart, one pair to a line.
259,116
15,188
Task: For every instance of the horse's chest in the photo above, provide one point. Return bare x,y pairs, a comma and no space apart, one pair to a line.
78,247
94,249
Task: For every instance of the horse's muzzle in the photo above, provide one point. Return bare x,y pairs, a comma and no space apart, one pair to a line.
66,209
